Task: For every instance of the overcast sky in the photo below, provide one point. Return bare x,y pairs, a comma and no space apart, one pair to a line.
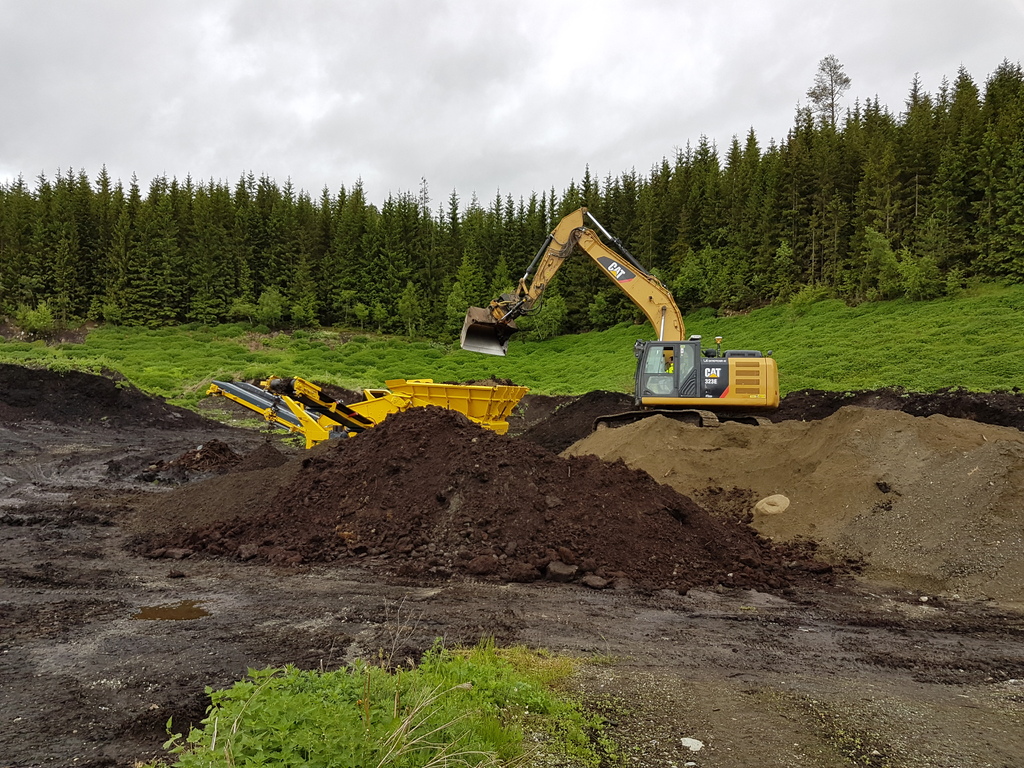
473,95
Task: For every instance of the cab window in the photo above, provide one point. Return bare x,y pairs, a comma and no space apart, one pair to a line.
660,360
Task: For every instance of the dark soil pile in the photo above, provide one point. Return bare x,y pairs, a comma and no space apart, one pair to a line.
72,397
212,456
532,410
575,420
429,494
264,457
1005,409
332,392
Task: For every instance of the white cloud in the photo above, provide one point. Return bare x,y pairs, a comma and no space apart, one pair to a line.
473,96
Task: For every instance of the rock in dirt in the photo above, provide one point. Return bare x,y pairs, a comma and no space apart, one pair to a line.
558,571
775,504
594,582
428,493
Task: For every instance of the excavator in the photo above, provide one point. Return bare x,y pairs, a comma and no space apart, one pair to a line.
675,376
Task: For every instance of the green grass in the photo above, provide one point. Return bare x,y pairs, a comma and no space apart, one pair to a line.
972,341
473,707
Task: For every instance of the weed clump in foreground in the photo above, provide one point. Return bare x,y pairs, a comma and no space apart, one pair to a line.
472,707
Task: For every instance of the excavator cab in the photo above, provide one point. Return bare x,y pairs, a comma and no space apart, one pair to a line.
666,369
680,374
482,332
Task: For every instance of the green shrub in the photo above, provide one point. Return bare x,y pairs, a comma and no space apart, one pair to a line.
458,707
37,321
809,295
920,276
270,308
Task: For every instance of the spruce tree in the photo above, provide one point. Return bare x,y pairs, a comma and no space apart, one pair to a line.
17,212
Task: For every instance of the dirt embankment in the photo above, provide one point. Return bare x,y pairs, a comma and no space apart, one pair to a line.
73,397
1004,409
574,419
935,504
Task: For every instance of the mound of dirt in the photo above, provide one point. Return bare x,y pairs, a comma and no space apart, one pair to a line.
934,504
243,490
574,420
336,393
212,456
1001,408
72,397
429,494
534,409
263,458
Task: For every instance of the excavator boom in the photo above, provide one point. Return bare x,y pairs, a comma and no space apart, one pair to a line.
488,329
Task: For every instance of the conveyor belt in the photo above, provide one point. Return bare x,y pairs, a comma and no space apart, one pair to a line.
259,399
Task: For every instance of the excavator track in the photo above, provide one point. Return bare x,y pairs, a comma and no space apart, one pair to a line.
695,416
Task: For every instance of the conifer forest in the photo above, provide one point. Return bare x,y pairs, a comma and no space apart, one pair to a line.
860,203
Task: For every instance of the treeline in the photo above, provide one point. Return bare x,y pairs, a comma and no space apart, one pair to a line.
866,206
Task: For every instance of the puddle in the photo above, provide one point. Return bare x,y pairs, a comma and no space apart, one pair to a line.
186,610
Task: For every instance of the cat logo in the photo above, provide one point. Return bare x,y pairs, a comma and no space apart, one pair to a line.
620,273
616,270
712,373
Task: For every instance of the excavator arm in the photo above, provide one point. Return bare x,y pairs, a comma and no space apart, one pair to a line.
488,329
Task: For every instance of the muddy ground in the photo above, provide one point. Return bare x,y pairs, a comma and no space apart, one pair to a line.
148,553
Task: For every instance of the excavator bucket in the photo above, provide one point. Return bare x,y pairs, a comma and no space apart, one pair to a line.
482,333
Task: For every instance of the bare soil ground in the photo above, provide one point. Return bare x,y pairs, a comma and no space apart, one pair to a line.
148,553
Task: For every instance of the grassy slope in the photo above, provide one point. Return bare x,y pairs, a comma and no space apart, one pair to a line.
972,341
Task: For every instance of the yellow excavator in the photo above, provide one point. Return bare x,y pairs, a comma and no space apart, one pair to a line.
674,375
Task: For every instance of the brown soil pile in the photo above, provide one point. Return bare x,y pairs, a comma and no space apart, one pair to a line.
263,458
212,456
934,504
574,420
28,394
429,494
1001,408
243,490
